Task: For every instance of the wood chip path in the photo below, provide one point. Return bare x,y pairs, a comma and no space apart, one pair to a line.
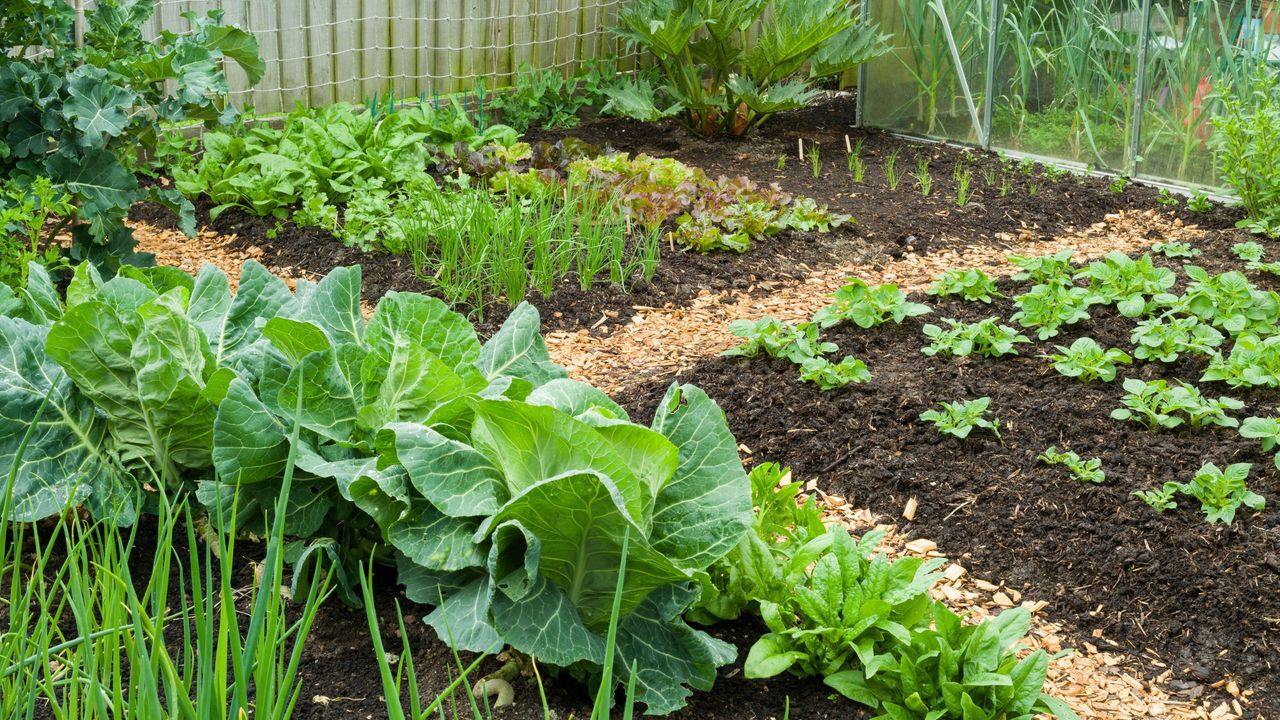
1098,680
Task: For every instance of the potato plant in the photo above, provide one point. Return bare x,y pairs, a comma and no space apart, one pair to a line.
987,338
868,306
1086,360
1081,470
1048,307
959,418
1131,285
971,284
1157,404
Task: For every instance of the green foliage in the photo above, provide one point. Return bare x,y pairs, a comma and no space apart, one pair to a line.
1081,470
961,417
1166,337
1126,283
1157,405
832,376
1119,184
986,337
1264,429
775,338
1167,199
1086,360
1055,268
1162,499
850,608
80,115
548,98
963,178
868,306
1248,251
1050,306
1175,249
891,169
957,670
22,226
923,179
506,494
1199,202
971,284
1230,302
1221,492
727,80
786,535
1248,156
1253,362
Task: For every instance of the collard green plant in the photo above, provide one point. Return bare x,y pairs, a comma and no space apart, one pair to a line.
987,338
504,492
1086,360
971,284
1081,470
725,79
957,670
78,115
775,338
1128,284
1156,404
959,418
868,306
833,376
1167,337
1050,306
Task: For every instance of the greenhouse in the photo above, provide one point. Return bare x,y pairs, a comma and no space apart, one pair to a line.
714,359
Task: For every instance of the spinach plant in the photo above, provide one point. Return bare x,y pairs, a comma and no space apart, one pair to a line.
959,418
971,284
1081,470
987,338
725,78
868,306
1156,404
1086,360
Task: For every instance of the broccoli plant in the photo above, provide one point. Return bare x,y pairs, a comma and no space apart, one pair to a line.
1156,404
961,417
1175,249
1253,362
1126,283
868,306
1044,268
1230,302
1264,429
1165,338
1222,492
1081,470
831,376
1087,360
971,284
778,339
1050,306
1249,251
986,337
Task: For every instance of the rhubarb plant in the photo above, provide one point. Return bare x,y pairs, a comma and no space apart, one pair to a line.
986,337
971,284
959,418
1086,360
868,306
1157,404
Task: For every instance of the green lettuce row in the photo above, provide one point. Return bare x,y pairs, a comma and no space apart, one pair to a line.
501,488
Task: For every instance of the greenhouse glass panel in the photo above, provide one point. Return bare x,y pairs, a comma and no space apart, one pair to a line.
1198,50
932,82
1065,78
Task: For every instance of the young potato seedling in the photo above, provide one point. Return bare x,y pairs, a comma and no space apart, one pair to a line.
1081,470
831,376
959,418
868,306
1157,405
1086,360
775,338
1055,268
1249,251
1175,250
971,284
987,338
1050,306
1165,338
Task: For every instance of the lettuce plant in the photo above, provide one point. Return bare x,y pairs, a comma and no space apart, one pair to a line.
725,77
971,284
868,306
778,339
955,669
1128,284
1050,306
1081,470
1086,360
832,376
1044,268
1167,337
1253,362
1156,404
959,418
504,492
986,337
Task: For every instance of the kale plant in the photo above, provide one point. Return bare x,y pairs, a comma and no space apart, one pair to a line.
986,337
1086,360
961,417
1156,404
971,284
868,306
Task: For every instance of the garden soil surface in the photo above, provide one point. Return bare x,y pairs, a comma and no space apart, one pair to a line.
1177,611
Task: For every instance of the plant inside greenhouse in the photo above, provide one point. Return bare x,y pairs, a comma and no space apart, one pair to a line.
716,359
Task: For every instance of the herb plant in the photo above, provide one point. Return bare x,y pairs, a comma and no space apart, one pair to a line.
1081,470
971,284
1086,360
1156,404
986,337
727,80
831,376
868,306
961,417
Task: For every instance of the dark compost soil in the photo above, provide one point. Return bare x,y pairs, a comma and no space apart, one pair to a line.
1205,598
889,222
